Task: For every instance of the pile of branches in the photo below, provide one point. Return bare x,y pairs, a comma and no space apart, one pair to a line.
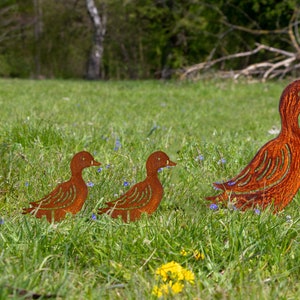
278,66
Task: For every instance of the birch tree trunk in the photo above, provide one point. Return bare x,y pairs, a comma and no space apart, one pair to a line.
37,33
99,24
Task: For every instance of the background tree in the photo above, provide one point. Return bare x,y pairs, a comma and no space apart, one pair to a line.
145,38
99,24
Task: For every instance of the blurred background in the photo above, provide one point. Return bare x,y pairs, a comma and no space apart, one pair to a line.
147,39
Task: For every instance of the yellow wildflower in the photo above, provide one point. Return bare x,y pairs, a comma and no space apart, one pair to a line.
156,291
169,270
173,276
183,252
198,255
167,288
188,276
177,287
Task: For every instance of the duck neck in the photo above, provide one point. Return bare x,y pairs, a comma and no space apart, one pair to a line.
152,174
289,125
76,173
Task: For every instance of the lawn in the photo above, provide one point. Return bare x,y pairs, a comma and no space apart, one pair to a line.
211,128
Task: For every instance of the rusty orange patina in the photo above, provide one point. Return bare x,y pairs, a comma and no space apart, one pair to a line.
143,197
272,177
67,197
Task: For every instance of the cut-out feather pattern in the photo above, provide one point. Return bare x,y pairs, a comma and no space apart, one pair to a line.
143,197
67,197
271,178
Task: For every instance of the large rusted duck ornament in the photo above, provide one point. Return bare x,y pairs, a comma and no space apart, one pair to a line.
67,197
143,197
272,178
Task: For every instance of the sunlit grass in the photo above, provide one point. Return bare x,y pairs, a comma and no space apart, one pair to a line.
211,129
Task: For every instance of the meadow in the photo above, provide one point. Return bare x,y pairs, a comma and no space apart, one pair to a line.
210,128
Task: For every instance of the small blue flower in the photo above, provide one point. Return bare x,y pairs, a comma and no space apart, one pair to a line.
90,184
99,170
231,183
26,183
117,145
107,166
216,188
126,183
222,161
257,211
200,157
94,217
213,206
160,170
1,221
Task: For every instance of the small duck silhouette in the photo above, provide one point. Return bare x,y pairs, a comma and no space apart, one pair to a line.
68,196
272,177
143,197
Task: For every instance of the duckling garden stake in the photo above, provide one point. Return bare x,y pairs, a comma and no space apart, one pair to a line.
273,175
68,196
145,196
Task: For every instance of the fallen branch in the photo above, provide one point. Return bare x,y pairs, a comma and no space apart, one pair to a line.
266,69
278,65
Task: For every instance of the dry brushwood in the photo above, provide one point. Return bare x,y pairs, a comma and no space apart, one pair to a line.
279,65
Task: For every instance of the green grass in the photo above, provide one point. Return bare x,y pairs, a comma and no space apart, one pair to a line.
44,123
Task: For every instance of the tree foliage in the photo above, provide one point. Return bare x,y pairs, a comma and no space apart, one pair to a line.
144,38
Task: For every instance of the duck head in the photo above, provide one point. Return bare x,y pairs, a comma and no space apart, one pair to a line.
156,161
289,107
82,160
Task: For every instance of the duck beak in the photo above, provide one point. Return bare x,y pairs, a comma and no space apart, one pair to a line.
171,163
95,163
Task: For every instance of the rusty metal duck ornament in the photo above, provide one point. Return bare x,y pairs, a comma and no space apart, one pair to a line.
143,197
273,175
67,197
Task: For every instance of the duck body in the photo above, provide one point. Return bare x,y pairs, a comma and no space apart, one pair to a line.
143,197
67,197
272,176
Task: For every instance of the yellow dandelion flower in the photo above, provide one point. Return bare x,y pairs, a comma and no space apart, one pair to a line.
198,255
173,276
169,270
183,252
157,291
177,287
188,276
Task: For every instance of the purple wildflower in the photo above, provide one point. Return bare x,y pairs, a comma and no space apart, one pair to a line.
199,157
94,217
222,161
231,183
107,166
90,184
1,221
213,206
117,145
257,211
216,188
26,183
126,183
99,170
